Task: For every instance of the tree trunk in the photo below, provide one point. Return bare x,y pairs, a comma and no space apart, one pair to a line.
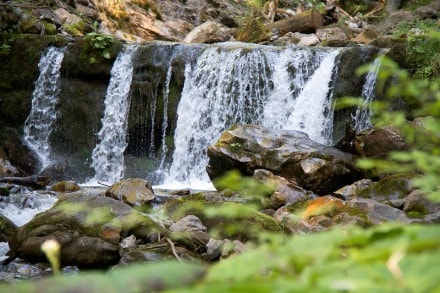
305,22
31,181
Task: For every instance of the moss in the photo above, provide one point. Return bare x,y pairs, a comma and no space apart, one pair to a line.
75,29
253,30
389,188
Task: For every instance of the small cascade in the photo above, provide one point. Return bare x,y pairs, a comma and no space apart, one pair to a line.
38,125
107,157
166,92
361,119
312,108
289,88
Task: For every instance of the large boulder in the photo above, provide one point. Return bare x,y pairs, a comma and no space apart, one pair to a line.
88,227
7,228
290,154
19,153
379,142
6,168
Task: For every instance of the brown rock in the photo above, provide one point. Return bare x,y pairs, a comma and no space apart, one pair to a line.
305,22
65,186
134,191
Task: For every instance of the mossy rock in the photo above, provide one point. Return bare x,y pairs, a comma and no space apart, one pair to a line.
243,224
394,187
88,227
7,228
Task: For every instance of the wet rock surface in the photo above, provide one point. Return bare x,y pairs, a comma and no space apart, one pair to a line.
290,154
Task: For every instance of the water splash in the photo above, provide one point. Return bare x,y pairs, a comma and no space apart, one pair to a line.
361,120
312,109
107,157
38,125
240,85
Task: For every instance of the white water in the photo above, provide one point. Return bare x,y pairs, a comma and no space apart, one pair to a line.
248,85
312,109
362,118
107,157
21,208
38,125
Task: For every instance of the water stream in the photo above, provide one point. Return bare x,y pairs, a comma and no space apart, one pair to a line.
39,123
362,117
108,155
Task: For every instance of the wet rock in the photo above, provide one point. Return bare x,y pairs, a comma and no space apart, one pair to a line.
352,190
19,153
56,171
208,33
6,168
134,191
19,269
285,192
66,186
7,228
379,142
289,154
376,212
85,241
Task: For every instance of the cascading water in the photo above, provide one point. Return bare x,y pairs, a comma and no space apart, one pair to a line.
361,120
107,157
249,85
312,108
38,125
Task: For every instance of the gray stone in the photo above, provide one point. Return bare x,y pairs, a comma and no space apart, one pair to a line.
377,212
331,34
352,190
86,242
290,154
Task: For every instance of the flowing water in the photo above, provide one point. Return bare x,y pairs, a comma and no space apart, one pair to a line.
280,89
38,125
224,84
108,155
362,118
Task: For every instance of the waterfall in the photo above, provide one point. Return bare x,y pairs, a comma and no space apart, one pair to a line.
38,125
107,157
166,92
288,88
361,120
312,108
